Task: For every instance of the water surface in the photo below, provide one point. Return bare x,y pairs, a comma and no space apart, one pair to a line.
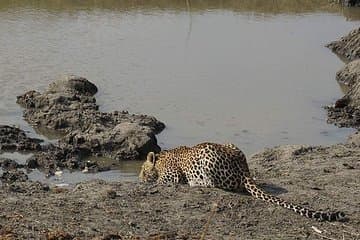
255,73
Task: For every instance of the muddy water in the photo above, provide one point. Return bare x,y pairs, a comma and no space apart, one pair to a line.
255,73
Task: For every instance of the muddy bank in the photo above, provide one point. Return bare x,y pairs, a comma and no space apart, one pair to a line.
346,110
69,107
348,47
349,75
318,177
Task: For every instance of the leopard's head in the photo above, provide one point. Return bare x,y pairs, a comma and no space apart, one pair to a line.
148,172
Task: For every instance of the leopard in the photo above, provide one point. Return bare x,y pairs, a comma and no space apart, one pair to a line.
216,165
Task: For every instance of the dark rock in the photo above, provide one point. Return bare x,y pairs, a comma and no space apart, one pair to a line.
109,237
15,139
68,106
57,111
111,194
32,163
346,111
9,164
302,150
124,141
73,83
27,187
342,102
13,176
56,157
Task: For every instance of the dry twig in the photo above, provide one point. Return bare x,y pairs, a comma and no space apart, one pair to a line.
211,215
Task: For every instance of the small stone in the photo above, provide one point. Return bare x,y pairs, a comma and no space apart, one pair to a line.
132,224
32,163
111,194
13,176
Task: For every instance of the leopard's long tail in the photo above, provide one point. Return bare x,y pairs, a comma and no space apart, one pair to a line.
255,191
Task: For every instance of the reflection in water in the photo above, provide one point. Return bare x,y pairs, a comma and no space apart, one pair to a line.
72,178
250,72
123,171
124,166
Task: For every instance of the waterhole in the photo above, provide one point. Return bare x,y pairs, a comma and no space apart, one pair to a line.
255,73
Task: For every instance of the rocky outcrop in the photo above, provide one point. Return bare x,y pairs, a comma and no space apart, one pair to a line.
69,106
349,75
13,176
348,47
9,164
64,106
54,157
346,110
124,141
15,139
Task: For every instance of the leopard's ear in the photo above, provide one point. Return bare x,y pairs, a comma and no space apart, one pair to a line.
151,157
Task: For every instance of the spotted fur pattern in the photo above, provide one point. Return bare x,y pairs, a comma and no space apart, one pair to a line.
216,165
